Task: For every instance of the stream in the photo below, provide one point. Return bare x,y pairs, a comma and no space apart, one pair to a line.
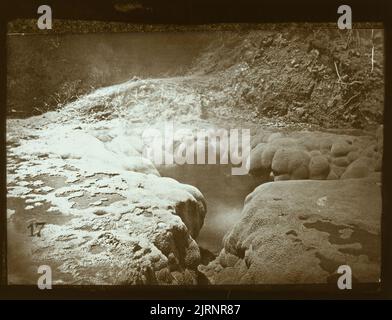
224,194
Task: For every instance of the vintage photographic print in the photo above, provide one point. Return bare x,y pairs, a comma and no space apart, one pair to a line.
195,155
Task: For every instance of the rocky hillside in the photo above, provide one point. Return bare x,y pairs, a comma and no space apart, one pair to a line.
60,68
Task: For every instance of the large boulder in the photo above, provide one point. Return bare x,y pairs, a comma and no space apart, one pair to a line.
275,136
297,232
340,161
310,141
273,145
292,162
341,148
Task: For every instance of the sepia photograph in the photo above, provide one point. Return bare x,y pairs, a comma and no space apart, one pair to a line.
217,154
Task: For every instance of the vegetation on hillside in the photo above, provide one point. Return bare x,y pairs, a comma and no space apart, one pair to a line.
322,76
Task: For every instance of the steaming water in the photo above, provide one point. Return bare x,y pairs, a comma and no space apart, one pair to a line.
224,194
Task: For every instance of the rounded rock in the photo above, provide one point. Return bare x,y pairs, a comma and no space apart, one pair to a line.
255,163
340,148
318,167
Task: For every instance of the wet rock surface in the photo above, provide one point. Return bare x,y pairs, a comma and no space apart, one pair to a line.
315,155
83,198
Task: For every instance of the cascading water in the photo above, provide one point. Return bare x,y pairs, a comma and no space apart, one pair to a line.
224,193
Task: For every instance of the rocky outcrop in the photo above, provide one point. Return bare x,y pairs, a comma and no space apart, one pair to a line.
301,232
108,217
315,155
291,76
